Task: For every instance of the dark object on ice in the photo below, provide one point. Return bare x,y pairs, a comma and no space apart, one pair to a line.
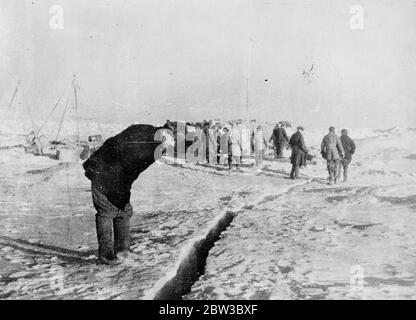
96,138
56,143
299,151
309,157
112,170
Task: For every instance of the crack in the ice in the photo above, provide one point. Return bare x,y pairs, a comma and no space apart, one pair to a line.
191,266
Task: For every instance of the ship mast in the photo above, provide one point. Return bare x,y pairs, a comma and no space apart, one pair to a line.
248,78
76,108
250,37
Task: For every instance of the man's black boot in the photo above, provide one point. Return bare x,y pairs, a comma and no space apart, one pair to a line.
121,234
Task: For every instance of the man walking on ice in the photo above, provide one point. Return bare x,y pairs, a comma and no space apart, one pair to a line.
349,149
279,138
332,151
299,152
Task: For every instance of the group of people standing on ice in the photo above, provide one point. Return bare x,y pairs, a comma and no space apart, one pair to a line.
337,151
228,141
232,140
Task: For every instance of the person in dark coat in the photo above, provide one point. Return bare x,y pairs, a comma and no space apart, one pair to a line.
112,170
226,150
218,134
205,130
349,149
272,139
299,151
279,139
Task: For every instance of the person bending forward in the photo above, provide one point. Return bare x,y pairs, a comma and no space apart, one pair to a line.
112,170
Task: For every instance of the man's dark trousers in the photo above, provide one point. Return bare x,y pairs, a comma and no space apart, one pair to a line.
294,174
344,163
279,149
109,218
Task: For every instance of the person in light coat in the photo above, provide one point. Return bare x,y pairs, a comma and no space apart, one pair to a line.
236,148
332,151
260,145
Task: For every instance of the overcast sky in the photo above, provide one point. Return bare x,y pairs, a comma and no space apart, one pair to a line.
149,60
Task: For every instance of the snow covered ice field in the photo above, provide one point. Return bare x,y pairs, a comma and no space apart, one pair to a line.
288,239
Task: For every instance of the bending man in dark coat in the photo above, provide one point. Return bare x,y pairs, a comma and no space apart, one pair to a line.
349,149
112,170
299,151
